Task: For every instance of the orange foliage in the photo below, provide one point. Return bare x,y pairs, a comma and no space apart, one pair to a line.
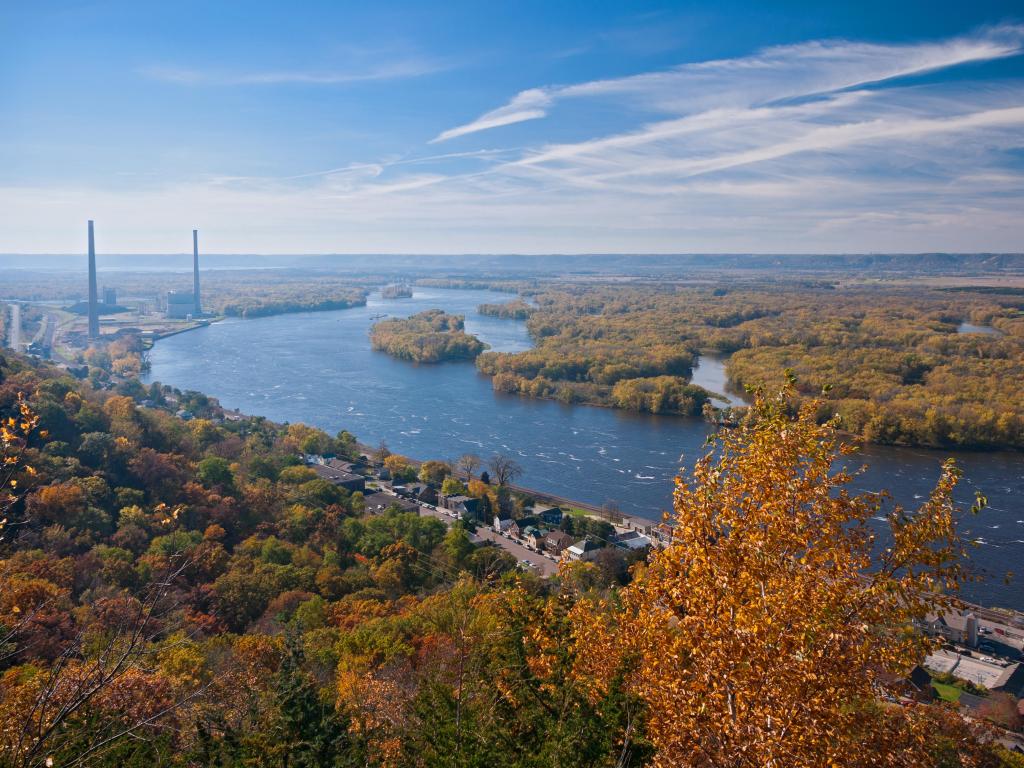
759,636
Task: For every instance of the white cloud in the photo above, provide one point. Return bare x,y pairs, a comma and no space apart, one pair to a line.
392,70
807,148
527,105
782,72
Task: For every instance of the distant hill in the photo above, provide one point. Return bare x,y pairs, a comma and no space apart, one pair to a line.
609,263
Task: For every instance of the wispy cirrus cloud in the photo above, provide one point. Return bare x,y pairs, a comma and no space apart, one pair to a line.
388,70
822,146
781,72
527,105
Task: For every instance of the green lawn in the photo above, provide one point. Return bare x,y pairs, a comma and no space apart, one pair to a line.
947,692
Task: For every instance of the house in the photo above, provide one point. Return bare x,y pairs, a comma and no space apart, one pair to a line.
419,491
378,502
347,480
663,533
547,514
581,551
1012,683
502,524
919,685
988,634
518,528
557,541
955,627
462,505
535,536
632,540
344,466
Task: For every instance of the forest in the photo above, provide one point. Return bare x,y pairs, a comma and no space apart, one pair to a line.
432,336
516,309
887,359
187,593
240,293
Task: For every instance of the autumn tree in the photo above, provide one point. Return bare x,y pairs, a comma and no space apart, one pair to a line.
762,635
452,486
99,689
400,468
307,732
215,472
307,439
15,431
468,464
504,468
434,472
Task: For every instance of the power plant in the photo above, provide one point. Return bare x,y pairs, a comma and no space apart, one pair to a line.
181,305
94,312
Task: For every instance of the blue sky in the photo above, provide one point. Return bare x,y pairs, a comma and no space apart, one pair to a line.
526,127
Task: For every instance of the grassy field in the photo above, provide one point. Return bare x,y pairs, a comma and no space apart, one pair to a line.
947,692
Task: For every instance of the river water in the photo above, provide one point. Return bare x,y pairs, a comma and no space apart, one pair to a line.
318,368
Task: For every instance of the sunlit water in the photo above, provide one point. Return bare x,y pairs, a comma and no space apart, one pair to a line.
986,330
319,368
709,372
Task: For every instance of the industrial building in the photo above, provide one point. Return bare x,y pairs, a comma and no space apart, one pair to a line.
180,305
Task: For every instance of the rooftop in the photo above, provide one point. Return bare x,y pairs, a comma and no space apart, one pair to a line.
335,475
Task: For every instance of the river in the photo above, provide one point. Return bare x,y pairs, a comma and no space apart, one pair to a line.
319,368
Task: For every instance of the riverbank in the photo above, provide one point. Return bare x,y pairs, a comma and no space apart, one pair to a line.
320,369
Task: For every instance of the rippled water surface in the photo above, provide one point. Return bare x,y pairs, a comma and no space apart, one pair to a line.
318,368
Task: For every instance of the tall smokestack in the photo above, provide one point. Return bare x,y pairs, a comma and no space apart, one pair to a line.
94,313
195,272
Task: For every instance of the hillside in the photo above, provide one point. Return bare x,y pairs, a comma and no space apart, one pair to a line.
185,592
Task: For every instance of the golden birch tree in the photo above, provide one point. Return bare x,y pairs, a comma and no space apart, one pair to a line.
763,635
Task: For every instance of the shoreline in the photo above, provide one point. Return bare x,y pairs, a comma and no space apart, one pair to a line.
1010,616
853,437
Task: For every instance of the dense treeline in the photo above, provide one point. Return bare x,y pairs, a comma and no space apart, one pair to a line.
510,310
299,301
241,293
895,367
187,593
431,336
592,351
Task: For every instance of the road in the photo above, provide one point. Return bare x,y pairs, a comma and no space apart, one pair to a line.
14,335
541,564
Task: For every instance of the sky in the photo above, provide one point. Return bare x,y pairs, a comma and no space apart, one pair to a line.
516,127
